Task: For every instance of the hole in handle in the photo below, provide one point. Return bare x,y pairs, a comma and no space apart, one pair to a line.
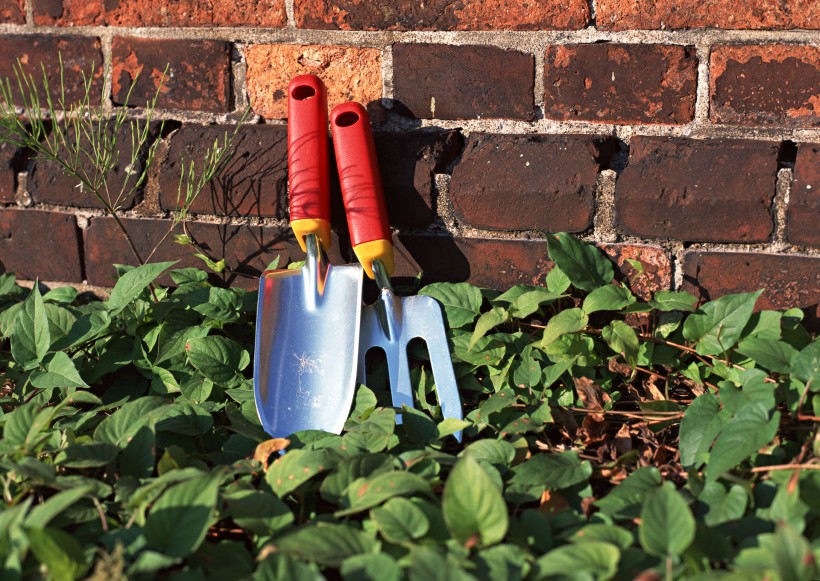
303,92
347,119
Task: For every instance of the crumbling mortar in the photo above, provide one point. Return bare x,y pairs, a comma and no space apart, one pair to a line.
289,10
780,205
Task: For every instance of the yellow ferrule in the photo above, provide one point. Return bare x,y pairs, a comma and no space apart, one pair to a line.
367,252
305,226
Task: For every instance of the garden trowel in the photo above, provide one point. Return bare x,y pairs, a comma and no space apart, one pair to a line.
308,320
392,322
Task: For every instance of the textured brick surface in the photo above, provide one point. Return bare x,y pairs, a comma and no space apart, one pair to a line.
350,74
259,13
80,54
44,245
803,221
716,190
789,280
766,85
48,183
526,181
440,15
8,171
407,163
12,12
436,81
253,183
749,14
247,249
656,262
198,77
620,83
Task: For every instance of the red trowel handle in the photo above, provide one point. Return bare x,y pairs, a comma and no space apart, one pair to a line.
361,186
308,173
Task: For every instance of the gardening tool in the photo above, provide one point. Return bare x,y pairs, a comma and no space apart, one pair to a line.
308,320
391,322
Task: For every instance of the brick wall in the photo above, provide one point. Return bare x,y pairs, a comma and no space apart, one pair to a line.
684,137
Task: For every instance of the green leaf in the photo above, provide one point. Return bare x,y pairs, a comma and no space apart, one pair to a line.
218,358
18,424
473,506
568,321
400,521
612,534
259,512
622,339
326,544
449,426
181,517
525,299
60,372
349,470
584,264
749,430
717,325
611,297
371,567
64,295
295,468
673,301
44,513
461,301
488,320
188,275
776,356
365,493
31,337
123,424
59,552
700,426
557,282
132,283
552,471
622,500
723,506
667,526
87,455
806,366
592,560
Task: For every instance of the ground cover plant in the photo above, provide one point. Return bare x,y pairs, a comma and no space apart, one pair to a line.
605,437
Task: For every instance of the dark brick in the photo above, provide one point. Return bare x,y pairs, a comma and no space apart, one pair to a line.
718,190
198,76
247,249
766,85
80,54
440,15
12,11
803,221
437,81
620,83
511,182
790,280
258,13
253,183
8,172
666,14
408,163
44,245
48,183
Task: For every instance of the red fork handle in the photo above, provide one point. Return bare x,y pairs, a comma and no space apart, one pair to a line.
361,186
308,169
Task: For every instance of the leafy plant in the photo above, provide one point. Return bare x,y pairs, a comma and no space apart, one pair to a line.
634,435
86,139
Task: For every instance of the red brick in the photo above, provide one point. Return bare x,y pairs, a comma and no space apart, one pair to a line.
246,249
440,15
9,155
12,11
198,77
253,183
718,190
620,83
48,183
256,13
803,221
408,162
765,85
437,81
501,183
790,280
656,262
350,74
729,14
44,245
80,54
